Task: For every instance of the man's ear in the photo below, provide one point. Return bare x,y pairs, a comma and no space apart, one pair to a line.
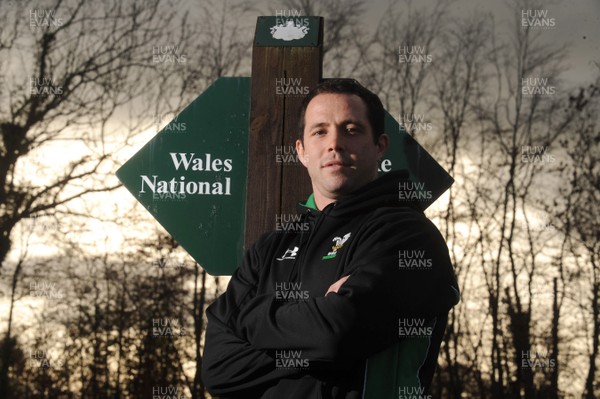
382,145
300,152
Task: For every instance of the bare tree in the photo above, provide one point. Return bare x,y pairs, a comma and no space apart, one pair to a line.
67,70
521,118
579,215
75,74
458,83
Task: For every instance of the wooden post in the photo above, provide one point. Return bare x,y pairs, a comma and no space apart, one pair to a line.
275,184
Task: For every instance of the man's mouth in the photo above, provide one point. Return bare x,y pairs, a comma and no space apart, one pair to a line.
336,164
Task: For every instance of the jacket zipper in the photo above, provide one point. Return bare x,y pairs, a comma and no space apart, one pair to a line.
303,248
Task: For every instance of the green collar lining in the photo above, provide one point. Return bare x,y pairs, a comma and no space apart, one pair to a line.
310,202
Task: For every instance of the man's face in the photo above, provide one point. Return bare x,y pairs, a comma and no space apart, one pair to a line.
338,148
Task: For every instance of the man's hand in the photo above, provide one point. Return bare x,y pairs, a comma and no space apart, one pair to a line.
336,286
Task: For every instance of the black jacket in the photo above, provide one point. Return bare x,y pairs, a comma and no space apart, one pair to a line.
273,333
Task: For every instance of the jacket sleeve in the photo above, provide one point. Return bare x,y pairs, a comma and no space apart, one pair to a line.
230,364
363,317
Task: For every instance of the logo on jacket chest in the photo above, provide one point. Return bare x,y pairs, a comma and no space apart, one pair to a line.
289,254
338,244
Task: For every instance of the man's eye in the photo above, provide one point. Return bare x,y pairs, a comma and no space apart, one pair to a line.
318,132
351,130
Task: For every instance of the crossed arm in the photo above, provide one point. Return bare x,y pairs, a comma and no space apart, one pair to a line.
232,364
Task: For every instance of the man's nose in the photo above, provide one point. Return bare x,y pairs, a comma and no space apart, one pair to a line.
337,140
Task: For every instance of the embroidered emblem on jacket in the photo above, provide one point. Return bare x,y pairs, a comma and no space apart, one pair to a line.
339,243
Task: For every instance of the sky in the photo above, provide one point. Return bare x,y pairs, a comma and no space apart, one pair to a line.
577,26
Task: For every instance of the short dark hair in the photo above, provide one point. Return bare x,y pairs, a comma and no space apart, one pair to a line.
375,111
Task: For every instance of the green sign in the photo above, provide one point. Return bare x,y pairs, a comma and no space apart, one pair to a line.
283,31
192,175
429,179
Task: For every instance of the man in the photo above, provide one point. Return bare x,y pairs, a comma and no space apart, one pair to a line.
308,307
